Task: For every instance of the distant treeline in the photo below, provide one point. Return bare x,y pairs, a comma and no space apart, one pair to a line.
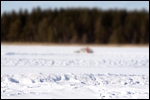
76,26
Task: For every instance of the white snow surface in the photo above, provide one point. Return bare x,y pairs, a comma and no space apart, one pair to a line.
57,72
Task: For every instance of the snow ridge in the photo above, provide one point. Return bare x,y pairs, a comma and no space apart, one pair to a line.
128,86
74,62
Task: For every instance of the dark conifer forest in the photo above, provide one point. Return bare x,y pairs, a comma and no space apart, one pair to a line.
76,25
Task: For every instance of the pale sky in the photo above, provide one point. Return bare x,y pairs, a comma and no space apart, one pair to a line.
8,6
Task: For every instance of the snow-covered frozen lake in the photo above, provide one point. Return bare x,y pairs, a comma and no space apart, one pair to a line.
58,72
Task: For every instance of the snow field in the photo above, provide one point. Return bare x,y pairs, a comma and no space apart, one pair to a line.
57,72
